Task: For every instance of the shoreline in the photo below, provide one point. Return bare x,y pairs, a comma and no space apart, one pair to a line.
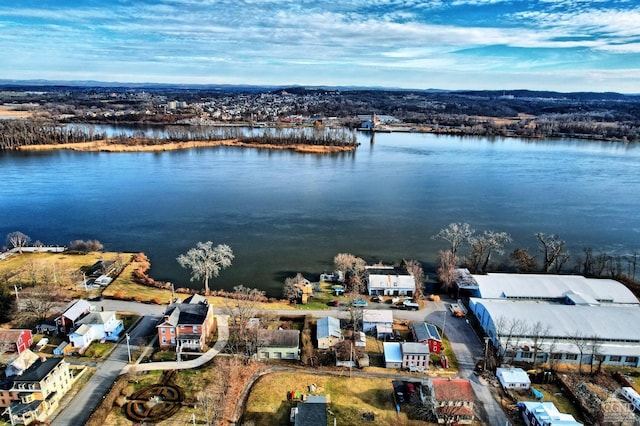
141,146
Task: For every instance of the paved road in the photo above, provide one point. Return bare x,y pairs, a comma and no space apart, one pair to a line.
465,344
77,411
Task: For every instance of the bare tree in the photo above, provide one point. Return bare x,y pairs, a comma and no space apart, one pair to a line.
594,346
581,342
483,246
538,331
354,269
38,302
290,289
206,261
456,234
85,246
508,332
415,269
523,261
446,270
552,248
241,306
18,240
633,263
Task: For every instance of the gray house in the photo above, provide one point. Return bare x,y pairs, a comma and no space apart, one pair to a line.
328,332
278,344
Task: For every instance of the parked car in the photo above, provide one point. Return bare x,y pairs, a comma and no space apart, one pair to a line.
360,303
377,299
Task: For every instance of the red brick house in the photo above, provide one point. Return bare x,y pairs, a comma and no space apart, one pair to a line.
453,400
186,326
15,340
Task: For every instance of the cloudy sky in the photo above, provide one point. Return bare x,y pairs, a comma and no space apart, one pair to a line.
564,45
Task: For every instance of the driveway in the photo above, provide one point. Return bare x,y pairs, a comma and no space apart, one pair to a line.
79,408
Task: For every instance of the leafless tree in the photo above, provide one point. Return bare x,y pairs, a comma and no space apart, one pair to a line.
509,331
456,234
241,307
538,331
415,269
18,240
38,302
523,261
633,263
354,271
581,342
553,250
290,289
484,246
206,261
446,271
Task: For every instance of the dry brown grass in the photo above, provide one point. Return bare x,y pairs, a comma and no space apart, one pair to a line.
141,146
350,397
9,112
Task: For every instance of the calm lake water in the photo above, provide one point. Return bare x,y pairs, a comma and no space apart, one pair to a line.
284,212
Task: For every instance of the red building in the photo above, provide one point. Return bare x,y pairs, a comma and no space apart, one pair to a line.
428,334
186,325
15,340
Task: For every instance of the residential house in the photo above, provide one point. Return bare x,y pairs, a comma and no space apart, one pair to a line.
389,281
378,321
312,411
428,334
545,413
328,332
453,400
96,326
278,344
14,340
21,363
35,395
186,325
392,354
75,311
415,356
513,378
408,355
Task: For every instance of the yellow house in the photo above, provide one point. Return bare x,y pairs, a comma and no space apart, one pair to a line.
35,394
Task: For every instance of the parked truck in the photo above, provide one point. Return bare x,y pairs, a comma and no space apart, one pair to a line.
411,306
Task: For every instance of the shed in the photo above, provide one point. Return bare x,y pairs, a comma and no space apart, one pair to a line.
392,355
62,349
513,378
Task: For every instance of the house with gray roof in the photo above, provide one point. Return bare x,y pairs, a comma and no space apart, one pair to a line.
186,325
278,344
428,334
328,332
96,326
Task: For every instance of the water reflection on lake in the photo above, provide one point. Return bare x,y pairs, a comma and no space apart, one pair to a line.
284,212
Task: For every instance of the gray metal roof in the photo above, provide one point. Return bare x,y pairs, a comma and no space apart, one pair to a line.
611,322
328,326
548,286
424,331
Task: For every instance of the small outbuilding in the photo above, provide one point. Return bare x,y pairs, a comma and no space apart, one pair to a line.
513,378
392,355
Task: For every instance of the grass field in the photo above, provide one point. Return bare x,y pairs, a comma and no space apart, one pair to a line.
350,398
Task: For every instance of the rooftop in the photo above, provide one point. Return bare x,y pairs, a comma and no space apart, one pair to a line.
424,331
377,315
452,389
278,338
328,326
392,352
548,286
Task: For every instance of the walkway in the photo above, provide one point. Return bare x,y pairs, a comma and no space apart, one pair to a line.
223,337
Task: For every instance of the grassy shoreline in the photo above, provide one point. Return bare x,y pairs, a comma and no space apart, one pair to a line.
143,146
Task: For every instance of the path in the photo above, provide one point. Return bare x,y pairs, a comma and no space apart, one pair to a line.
223,337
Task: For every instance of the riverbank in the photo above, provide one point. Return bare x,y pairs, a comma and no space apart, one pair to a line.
141,145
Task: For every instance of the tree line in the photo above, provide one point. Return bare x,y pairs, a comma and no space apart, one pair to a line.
482,248
17,133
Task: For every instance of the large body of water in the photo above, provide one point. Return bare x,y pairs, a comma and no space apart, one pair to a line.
284,212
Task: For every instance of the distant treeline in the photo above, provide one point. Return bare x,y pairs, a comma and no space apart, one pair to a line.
549,126
16,133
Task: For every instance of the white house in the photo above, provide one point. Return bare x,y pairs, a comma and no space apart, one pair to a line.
389,281
378,321
513,378
96,326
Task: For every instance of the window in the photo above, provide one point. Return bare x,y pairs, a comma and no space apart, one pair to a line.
556,355
631,359
571,357
615,358
162,330
164,340
526,355
172,331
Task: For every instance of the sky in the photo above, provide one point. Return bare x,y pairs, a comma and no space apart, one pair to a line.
561,45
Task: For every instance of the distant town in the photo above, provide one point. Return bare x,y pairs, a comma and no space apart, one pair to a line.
513,113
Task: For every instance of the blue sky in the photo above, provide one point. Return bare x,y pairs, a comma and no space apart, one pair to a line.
564,45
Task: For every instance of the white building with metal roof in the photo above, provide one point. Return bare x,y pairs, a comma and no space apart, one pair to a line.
562,332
